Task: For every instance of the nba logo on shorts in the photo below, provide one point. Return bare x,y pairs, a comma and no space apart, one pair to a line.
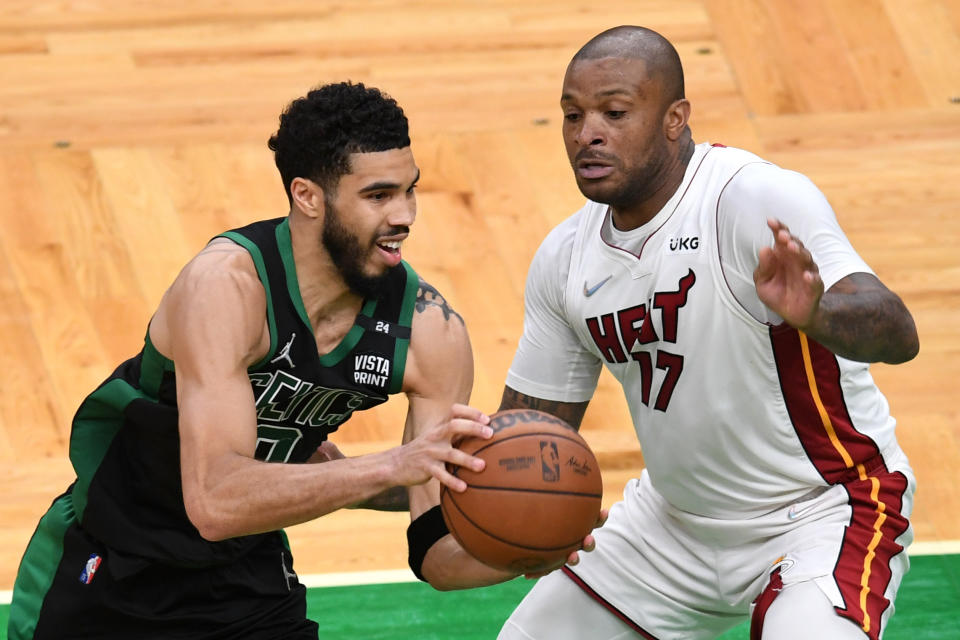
549,461
93,563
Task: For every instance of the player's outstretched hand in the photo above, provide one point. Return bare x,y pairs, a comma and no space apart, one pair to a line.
787,279
426,456
589,544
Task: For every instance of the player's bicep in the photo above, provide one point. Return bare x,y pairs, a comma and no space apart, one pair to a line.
439,367
213,316
438,374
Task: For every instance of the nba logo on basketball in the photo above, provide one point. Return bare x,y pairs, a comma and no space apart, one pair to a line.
93,563
549,461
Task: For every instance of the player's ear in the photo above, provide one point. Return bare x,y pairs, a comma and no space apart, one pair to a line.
676,118
307,196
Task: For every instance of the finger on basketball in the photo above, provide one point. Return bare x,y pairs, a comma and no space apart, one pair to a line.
461,459
469,413
449,480
589,543
462,428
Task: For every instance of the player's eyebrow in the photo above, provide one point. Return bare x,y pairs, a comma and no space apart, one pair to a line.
603,94
384,185
615,92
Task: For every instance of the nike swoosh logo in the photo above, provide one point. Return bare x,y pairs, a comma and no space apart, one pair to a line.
589,291
796,511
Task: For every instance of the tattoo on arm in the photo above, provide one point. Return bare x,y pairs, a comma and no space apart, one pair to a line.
393,499
427,295
569,412
860,319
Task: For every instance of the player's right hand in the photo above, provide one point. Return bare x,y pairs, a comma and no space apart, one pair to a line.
589,544
427,455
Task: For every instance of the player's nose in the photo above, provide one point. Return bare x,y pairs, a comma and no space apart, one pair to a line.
592,132
404,214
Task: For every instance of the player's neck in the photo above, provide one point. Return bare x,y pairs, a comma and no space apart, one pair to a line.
326,296
626,218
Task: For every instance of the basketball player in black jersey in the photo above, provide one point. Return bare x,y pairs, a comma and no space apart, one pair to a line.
266,342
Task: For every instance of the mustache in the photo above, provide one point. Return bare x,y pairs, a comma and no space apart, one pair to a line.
591,154
394,231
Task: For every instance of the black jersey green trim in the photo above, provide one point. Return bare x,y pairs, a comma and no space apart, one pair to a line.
350,340
97,422
254,252
38,567
406,320
285,246
152,366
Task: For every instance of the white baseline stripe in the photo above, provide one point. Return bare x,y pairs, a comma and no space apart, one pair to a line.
317,580
357,578
934,548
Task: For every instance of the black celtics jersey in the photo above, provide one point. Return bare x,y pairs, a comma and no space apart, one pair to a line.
125,444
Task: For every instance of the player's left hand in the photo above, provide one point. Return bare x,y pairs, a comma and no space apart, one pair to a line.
787,279
589,544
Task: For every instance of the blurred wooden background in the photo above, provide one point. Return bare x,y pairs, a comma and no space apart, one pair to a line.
131,131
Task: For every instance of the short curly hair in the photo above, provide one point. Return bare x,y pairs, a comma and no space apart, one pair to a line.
319,131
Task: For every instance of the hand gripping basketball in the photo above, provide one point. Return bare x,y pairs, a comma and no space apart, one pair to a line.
430,454
535,501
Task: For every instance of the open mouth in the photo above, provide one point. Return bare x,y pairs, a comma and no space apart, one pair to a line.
390,250
593,171
393,246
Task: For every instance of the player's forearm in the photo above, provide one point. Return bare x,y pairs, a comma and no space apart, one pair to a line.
253,497
870,325
570,412
448,567
393,499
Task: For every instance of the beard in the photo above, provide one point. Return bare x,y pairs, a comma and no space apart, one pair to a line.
639,182
350,256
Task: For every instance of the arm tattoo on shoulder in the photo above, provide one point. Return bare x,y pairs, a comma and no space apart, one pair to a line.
428,295
569,412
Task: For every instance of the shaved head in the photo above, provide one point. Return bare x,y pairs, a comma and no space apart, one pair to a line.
639,43
626,122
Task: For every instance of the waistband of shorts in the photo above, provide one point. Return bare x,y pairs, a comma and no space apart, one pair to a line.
891,459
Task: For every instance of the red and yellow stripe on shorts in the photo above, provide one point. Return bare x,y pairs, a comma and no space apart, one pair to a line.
810,380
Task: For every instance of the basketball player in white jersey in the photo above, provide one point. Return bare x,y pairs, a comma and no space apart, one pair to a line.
721,292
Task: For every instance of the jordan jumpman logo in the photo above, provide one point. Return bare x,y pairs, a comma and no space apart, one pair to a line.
285,353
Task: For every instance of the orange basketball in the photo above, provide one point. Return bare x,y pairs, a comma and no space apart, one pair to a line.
535,500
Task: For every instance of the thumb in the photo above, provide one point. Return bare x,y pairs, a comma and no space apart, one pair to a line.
766,265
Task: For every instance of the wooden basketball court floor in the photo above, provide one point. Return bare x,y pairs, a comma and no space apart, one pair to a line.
131,132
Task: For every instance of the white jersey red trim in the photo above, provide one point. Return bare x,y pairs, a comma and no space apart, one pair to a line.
736,414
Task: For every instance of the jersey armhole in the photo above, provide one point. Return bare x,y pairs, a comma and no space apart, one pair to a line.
405,320
153,365
261,267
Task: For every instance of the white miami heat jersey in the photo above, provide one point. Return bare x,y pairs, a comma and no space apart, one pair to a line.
735,415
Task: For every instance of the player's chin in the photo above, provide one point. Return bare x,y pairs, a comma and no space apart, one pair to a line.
601,190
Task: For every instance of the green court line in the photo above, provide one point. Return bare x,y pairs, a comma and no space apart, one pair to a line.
928,608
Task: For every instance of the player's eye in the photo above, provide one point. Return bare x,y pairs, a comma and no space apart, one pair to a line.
615,115
571,117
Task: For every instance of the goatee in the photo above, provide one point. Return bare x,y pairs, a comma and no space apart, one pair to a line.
349,256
